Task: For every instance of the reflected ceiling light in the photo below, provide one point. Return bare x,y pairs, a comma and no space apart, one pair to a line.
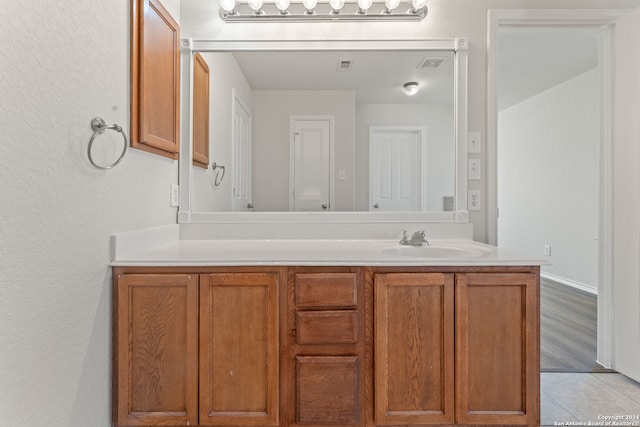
411,88
323,10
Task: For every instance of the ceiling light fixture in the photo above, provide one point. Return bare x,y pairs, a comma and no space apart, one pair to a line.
411,88
324,10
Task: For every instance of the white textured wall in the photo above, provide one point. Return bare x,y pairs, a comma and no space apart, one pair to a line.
225,77
440,168
548,167
272,110
447,18
61,64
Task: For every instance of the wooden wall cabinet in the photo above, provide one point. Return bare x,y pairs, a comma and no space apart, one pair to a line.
200,112
326,346
155,79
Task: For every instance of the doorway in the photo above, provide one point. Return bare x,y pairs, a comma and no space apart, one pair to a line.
241,142
311,163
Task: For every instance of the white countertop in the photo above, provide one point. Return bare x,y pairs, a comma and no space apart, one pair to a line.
317,252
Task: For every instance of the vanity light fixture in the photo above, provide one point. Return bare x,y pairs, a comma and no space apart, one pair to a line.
324,10
411,88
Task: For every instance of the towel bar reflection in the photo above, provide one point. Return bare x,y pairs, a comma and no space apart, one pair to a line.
219,173
99,127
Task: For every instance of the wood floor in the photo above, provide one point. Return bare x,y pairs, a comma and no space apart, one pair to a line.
568,325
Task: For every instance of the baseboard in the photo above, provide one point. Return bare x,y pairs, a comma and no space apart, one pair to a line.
569,282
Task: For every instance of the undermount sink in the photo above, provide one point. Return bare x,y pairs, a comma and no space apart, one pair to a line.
437,251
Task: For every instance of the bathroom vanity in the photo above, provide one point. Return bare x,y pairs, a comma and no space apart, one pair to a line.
325,333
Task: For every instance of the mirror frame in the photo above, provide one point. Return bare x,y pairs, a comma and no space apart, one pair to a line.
188,47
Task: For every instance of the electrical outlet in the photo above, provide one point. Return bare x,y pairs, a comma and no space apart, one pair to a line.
175,195
547,250
473,200
474,142
473,169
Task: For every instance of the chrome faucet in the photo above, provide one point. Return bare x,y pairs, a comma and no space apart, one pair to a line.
417,239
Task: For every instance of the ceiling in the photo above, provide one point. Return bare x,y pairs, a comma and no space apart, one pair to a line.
532,61
375,76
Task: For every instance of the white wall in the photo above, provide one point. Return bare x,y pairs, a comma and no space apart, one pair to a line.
549,178
61,64
446,18
272,110
225,77
438,120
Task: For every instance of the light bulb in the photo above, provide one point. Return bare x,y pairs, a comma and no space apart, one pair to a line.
309,4
336,5
391,4
418,4
256,5
228,5
283,5
364,5
411,88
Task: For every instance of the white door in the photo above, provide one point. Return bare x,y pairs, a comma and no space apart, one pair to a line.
396,168
626,272
241,157
311,165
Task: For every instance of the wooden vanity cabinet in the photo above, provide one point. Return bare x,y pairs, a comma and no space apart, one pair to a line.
464,339
325,370
326,346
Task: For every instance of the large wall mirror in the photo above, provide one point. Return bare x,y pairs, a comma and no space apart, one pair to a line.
366,127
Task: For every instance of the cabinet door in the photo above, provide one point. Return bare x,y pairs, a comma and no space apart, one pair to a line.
497,345
156,349
239,349
414,348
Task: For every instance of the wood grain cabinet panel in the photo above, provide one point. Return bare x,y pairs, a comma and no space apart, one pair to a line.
414,354
155,79
497,373
239,349
156,349
327,327
326,290
327,390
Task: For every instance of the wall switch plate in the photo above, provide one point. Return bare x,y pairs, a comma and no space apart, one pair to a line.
175,195
473,200
474,143
547,250
473,170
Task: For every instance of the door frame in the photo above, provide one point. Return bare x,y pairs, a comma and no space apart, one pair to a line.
422,134
606,20
332,145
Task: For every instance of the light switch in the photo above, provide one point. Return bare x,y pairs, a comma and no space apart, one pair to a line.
474,143
473,171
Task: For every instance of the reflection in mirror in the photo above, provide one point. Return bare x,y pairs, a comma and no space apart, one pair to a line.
329,131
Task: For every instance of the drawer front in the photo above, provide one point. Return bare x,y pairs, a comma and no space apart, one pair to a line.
327,327
326,290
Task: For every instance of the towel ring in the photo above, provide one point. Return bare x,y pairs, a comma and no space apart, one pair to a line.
99,127
219,176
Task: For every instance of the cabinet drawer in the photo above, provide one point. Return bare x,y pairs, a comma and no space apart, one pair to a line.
326,290
327,327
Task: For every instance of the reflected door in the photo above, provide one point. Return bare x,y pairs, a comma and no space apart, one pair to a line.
241,157
395,168
311,165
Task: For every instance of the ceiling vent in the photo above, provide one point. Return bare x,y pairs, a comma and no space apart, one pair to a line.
432,62
345,65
